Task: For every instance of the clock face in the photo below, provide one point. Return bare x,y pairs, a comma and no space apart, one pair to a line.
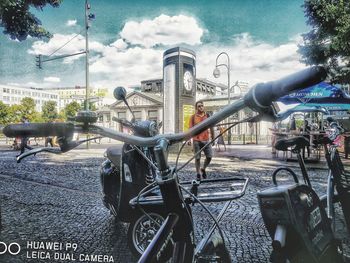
188,80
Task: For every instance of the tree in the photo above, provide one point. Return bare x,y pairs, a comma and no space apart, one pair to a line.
15,113
27,110
18,22
328,42
4,113
49,111
71,109
92,105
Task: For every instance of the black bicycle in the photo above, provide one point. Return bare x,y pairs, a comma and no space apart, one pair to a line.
176,232
338,180
300,227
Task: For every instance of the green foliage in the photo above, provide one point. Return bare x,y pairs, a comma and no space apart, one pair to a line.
299,124
4,113
18,22
49,111
62,115
92,106
71,109
27,110
328,42
15,113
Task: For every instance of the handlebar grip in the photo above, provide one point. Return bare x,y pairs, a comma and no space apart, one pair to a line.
39,129
262,95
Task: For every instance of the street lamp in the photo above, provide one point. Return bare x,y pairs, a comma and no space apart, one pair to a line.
216,74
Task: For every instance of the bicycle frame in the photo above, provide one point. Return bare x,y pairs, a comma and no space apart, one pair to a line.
181,230
178,225
339,180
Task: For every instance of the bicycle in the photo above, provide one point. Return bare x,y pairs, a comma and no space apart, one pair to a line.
288,234
177,228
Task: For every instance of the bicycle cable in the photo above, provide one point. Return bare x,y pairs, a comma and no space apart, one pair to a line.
148,187
206,209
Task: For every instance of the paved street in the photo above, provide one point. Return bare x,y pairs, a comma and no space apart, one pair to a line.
58,199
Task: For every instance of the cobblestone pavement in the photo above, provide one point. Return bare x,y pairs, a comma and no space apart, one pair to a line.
58,199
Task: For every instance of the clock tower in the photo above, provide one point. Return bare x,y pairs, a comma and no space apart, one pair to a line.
179,80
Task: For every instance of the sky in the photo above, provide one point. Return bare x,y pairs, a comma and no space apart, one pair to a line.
127,40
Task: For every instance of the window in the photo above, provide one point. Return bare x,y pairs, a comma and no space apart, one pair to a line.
159,86
138,115
122,115
148,87
153,115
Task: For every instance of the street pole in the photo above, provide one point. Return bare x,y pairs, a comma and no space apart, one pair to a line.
87,7
216,75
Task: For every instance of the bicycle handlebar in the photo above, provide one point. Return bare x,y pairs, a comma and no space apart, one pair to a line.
258,98
123,122
262,95
39,129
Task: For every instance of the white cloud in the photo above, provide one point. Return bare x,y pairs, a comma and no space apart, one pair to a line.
123,63
128,67
71,22
119,44
250,60
163,30
58,44
52,79
14,84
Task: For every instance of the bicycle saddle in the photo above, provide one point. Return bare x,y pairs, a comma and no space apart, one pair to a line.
297,143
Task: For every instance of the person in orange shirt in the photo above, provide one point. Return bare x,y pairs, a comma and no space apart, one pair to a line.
199,141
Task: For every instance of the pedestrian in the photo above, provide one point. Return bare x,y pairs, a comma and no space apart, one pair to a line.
48,140
24,140
292,124
221,138
306,129
199,141
273,130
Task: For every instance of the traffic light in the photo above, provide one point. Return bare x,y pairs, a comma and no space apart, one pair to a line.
39,61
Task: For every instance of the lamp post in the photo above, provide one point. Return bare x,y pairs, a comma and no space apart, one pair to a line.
216,74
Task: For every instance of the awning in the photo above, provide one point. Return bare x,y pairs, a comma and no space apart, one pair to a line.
302,108
323,92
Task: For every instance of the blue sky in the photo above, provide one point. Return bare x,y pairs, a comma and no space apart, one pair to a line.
127,40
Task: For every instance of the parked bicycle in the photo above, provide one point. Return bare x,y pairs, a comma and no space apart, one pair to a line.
294,215
176,231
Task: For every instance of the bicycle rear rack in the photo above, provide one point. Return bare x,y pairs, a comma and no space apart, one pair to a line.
208,190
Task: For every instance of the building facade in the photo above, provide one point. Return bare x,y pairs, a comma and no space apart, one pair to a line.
69,94
11,95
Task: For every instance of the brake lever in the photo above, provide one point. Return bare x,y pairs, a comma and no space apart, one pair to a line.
64,147
38,150
67,146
